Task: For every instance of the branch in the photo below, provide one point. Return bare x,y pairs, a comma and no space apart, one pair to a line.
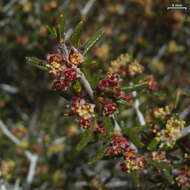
33,162
31,157
4,129
137,109
87,7
17,184
116,125
86,84
184,132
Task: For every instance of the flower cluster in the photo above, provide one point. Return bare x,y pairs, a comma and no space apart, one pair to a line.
84,110
7,167
162,113
152,84
168,136
100,128
63,66
119,145
119,65
132,161
109,108
159,157
183,178
111,81
135,68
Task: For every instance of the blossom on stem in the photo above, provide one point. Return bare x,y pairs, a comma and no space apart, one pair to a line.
75,57
183,178
119,144
168,136
65,79
84,110
111,80
100,128
109,108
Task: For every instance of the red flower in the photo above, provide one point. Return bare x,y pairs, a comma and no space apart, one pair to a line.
109,108
56,63
152,84
65,79
75,57
100,128
111,80
118,145
84,123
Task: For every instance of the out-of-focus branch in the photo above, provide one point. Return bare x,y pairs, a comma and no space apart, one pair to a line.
17,184
185,132
184,113
87,7
33,158
33,162
83,13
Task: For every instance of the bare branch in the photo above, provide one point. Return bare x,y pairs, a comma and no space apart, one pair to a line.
87,7
31,157
137,109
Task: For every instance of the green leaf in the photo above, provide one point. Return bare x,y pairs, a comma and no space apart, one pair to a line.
88,46
177,99
77,86
52,31
75,37
134,136
61,27
135,87
168,176
152,145
109,124
40,64
98,157
135,178
162,165
86,136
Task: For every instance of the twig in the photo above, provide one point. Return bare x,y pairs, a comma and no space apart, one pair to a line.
87,7
86,84
116,125
137,109
17,184
31,157
33,162
184,113
160,53
184,132
83,13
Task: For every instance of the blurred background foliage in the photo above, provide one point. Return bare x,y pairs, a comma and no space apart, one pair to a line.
157,38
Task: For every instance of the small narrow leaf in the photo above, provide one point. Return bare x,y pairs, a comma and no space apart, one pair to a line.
75,37
85,140
109,125
98,157
61,27
52,31
135,178
97,36
134,136
135,87
40,64
168,176
162,165
152,145
177,99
